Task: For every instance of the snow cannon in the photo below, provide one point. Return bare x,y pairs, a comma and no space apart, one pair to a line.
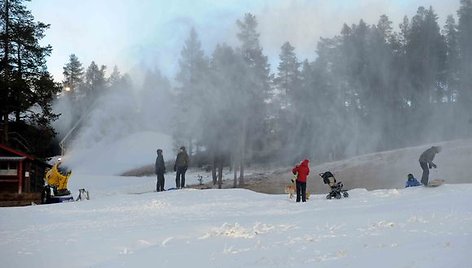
55,190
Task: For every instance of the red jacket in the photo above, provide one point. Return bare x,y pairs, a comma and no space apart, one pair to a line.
302,170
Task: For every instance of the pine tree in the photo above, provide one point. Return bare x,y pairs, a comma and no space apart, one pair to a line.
192,78
426,52
383,96
156,98
118,81
24,80
286,114
73,75
288,76
453,58
115,79
465,49
225,110
254,127
95,81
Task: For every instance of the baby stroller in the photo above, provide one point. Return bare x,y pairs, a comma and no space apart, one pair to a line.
336,187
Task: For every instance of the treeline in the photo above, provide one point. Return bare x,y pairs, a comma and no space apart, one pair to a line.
370,88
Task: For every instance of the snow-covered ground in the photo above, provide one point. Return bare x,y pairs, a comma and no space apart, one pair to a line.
127,224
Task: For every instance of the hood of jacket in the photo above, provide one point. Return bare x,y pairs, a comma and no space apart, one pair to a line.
305,162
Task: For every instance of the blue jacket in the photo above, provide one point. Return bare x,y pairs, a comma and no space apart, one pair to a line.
412,182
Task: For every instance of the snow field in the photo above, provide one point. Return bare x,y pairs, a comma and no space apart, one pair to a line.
414,227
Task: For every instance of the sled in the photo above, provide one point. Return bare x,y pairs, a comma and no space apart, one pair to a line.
435,183
173,188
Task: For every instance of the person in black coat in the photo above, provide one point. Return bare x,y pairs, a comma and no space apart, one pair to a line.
160,169
180,167
426,162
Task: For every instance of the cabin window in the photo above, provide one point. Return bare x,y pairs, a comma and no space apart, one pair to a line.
8,168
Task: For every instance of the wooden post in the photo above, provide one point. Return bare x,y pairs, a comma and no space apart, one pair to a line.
20,176
27,169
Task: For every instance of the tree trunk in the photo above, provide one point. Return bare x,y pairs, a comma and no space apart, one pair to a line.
7,72
220,172
213,170
241,172
190,146
234,163
5,129
243,152
19,76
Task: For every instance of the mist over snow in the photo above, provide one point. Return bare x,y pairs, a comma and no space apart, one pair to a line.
360,95
363,102
389,169
120,155
121,129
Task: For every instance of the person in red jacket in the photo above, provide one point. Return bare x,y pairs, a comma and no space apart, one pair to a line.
302,172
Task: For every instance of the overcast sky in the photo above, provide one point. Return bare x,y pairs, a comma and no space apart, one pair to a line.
128,33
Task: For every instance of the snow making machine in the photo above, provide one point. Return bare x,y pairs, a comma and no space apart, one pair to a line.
55,189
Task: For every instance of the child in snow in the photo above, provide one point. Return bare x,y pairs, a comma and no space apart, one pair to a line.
411,181
302,172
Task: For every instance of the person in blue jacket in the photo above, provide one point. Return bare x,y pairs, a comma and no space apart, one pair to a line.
411,181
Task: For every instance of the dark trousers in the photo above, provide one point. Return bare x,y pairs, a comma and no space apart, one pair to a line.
160,182
425,176
180,177
301,191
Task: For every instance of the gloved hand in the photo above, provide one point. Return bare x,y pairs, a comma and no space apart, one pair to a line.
434,165
292,180
430,166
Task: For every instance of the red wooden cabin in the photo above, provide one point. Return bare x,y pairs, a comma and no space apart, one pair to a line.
21,175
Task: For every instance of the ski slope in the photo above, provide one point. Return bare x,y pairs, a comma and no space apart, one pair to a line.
125,225
383,170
